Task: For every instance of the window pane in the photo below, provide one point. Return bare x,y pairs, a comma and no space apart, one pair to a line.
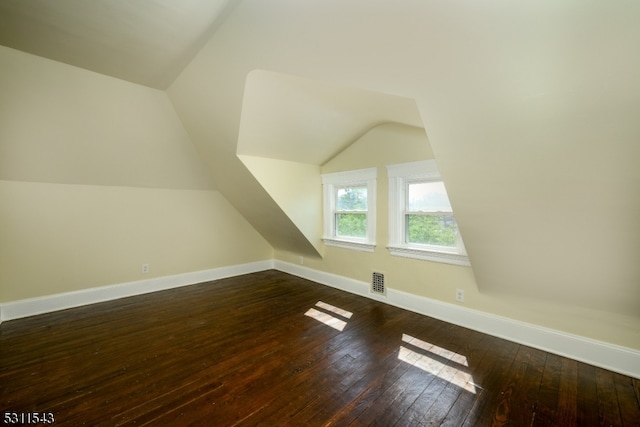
351,225
351,199
439,230
427,197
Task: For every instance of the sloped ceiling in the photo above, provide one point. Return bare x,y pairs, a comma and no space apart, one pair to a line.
309,121
531,109
147,42
290,126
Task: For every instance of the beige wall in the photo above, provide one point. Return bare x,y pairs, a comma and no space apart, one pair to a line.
71,139
65,237
63,124
391,144
534,128
97,177
384,145
295,187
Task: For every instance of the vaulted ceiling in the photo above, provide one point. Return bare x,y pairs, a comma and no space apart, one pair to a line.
531,109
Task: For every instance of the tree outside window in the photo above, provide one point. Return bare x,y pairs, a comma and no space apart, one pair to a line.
421,220
429,218
349,209
351,212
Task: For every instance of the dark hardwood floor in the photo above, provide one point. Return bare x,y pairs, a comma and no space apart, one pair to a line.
272,349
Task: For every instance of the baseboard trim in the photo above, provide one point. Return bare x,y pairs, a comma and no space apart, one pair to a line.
46,304
605,355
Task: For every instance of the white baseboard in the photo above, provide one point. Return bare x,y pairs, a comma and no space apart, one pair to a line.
608,356
32,306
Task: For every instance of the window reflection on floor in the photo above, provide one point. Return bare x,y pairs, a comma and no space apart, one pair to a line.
443,363
330,315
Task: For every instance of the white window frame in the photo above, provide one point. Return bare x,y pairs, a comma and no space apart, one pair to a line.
399,177
331,183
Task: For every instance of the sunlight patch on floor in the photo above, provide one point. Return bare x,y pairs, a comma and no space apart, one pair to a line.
443,363
334,309
329,319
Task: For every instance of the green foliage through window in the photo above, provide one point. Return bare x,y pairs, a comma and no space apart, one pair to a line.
439,230
351,225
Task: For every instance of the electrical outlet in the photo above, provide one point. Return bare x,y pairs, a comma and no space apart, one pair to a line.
460,295
301,259
145,268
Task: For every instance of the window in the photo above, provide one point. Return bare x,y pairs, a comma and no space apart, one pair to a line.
349,209
421,220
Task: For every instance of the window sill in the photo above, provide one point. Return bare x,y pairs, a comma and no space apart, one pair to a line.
428,255
349,244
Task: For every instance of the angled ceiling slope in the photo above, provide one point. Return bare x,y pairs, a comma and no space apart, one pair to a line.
290,126
309,121
146,42
510,91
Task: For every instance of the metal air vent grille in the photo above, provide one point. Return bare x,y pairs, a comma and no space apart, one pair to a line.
377,284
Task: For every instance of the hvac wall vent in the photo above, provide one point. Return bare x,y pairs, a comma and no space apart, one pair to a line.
377,284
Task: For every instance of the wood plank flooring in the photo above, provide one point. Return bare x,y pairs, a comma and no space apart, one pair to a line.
272,349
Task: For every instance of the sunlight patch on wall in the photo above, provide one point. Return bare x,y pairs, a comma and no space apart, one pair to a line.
445,364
